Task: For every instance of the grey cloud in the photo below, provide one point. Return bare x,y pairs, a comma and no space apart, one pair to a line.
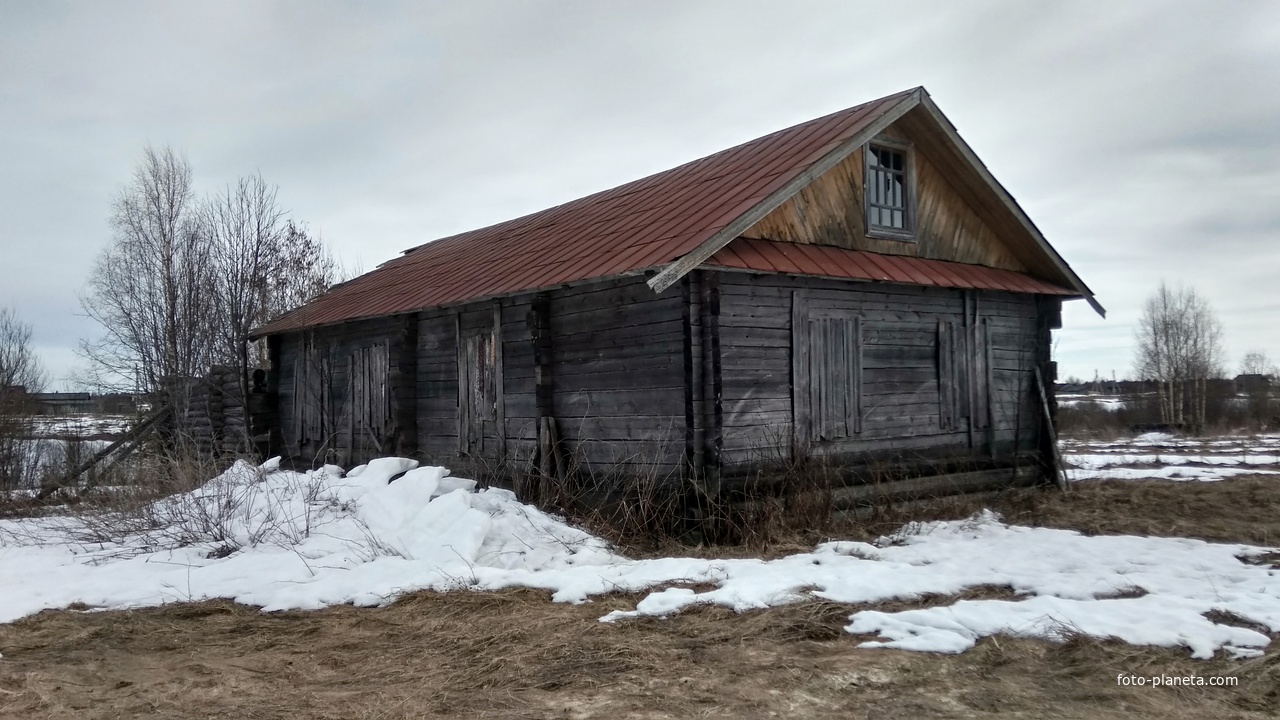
1141,137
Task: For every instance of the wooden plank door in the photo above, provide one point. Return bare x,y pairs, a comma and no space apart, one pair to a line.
477,390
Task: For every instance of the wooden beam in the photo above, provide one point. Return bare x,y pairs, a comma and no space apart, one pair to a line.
713,382
800,369
463,420
1055,458
499,409
689,309
712,245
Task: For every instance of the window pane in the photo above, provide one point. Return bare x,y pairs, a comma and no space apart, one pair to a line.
897,161
897,218
896,198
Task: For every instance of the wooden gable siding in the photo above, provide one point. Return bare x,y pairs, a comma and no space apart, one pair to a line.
830,211
900,399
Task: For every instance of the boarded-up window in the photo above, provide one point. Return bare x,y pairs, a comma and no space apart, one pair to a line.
311,395
477,388
370,402
835,377
964,372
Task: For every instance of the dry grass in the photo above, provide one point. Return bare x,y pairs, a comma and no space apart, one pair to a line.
1245,509
515,654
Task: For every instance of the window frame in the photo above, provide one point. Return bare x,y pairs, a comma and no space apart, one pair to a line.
908,233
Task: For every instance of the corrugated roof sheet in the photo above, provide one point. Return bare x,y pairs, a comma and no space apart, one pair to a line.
640,225
833,262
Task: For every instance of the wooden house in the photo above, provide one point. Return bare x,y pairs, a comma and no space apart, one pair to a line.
857,288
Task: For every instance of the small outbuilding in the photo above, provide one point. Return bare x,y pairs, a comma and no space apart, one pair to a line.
857,290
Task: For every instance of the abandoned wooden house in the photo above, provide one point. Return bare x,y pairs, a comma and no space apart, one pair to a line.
857,289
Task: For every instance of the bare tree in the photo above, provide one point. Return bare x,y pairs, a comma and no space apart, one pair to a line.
1180,348
151,290
263,265
185,281
1256,362
20,375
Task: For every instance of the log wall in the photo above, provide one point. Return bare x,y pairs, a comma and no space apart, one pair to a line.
901,396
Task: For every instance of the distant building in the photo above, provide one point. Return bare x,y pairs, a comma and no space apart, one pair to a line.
81,403
1253,383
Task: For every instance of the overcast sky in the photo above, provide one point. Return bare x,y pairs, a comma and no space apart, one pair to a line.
1143,138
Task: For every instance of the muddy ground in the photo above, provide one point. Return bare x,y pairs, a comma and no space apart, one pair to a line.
517,655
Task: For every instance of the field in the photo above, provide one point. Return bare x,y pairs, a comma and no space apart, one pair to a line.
513,654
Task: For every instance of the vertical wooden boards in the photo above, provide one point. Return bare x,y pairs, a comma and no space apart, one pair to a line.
404,390
692,351
980,377
826,371
855,360
540,331
499,388
801,402
945,416
989,385
835,377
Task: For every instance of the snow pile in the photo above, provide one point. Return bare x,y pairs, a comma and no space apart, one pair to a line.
292,540
1166,457
285,540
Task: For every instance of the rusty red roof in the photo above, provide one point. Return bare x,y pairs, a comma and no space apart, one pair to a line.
641,225
824,261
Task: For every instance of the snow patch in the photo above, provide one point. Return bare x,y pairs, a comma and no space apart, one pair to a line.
308,540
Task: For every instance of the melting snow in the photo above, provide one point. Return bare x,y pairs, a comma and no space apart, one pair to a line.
288,540
1168,457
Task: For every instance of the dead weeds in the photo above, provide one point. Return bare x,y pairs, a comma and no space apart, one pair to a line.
515,654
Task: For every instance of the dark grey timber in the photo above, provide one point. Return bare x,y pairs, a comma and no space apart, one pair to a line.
913,339
711,382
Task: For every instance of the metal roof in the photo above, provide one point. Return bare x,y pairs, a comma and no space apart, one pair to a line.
641,225
824,261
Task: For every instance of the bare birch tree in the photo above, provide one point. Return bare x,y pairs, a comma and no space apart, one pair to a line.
20,375
184,281
1180,348
263,265
152,289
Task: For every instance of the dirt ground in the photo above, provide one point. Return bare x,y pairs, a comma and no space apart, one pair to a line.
516,655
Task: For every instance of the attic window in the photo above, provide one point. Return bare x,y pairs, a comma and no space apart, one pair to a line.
889,191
